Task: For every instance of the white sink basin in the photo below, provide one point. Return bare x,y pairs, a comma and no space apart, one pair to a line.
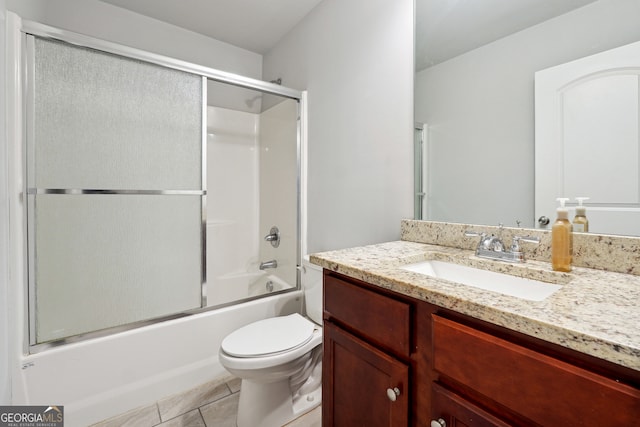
528,289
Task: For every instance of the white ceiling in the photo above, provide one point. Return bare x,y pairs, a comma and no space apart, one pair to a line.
448,28
444,28
255,25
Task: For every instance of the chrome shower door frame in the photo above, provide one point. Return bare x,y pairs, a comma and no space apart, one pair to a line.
28,30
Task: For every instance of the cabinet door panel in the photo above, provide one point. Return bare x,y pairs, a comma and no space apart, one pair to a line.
457,412
543,389
356,377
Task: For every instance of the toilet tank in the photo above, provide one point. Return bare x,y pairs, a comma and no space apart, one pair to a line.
311,278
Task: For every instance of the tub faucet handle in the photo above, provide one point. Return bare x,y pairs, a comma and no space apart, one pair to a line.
273,237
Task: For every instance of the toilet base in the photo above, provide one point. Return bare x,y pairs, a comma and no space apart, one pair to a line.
271,404
307,403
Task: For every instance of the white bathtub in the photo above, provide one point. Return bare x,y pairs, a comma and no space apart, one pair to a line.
99,378
237,286
267,284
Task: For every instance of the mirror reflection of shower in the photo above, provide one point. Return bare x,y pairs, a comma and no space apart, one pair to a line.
251,185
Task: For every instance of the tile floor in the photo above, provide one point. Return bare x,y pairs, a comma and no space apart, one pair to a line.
213,404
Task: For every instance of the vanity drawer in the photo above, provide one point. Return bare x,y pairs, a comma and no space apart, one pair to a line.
543,389
379,318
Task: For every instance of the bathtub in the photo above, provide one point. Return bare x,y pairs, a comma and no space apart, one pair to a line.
103,377
267,284
228,288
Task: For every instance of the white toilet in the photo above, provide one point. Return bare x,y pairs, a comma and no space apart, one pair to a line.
280,363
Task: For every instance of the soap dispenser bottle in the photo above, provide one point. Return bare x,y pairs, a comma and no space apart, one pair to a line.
561,239
580,222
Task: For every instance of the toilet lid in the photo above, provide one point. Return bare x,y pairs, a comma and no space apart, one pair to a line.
268,336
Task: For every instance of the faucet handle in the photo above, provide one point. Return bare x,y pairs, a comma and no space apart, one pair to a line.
515,244
484,239
471,233
482,236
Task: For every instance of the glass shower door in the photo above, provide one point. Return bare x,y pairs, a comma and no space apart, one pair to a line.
252,173
115,190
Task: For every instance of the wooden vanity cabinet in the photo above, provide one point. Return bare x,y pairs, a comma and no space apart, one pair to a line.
376,370
520,384
437,364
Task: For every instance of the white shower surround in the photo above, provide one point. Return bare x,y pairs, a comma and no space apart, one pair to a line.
251,186
232,193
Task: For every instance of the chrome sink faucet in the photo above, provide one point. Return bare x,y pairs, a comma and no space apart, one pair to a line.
492,247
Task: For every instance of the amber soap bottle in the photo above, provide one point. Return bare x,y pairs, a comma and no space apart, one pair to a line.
562,239
580,222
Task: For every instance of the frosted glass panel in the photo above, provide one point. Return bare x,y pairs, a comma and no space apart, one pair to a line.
108,260
102,121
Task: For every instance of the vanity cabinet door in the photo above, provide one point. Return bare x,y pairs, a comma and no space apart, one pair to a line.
362,385
545,390
455,411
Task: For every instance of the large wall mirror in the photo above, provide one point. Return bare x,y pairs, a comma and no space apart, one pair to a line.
475,106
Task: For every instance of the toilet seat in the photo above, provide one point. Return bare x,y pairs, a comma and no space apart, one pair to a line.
269,337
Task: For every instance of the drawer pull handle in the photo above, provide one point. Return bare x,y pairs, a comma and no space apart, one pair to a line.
393,393
438,423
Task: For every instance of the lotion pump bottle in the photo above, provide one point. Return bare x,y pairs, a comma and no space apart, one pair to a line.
580,222
561,239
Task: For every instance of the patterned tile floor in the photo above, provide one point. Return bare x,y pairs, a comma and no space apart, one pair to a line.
213,404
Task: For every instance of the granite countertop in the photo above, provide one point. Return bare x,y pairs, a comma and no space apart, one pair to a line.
595,312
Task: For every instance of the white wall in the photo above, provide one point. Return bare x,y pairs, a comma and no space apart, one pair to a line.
355,59
479,107
108,22
5,382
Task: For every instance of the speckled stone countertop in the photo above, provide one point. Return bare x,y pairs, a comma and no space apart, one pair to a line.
595,312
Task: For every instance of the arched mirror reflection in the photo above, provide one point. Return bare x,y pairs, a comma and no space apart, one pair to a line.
476,64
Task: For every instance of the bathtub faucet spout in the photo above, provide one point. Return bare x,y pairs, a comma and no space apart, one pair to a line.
268,264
